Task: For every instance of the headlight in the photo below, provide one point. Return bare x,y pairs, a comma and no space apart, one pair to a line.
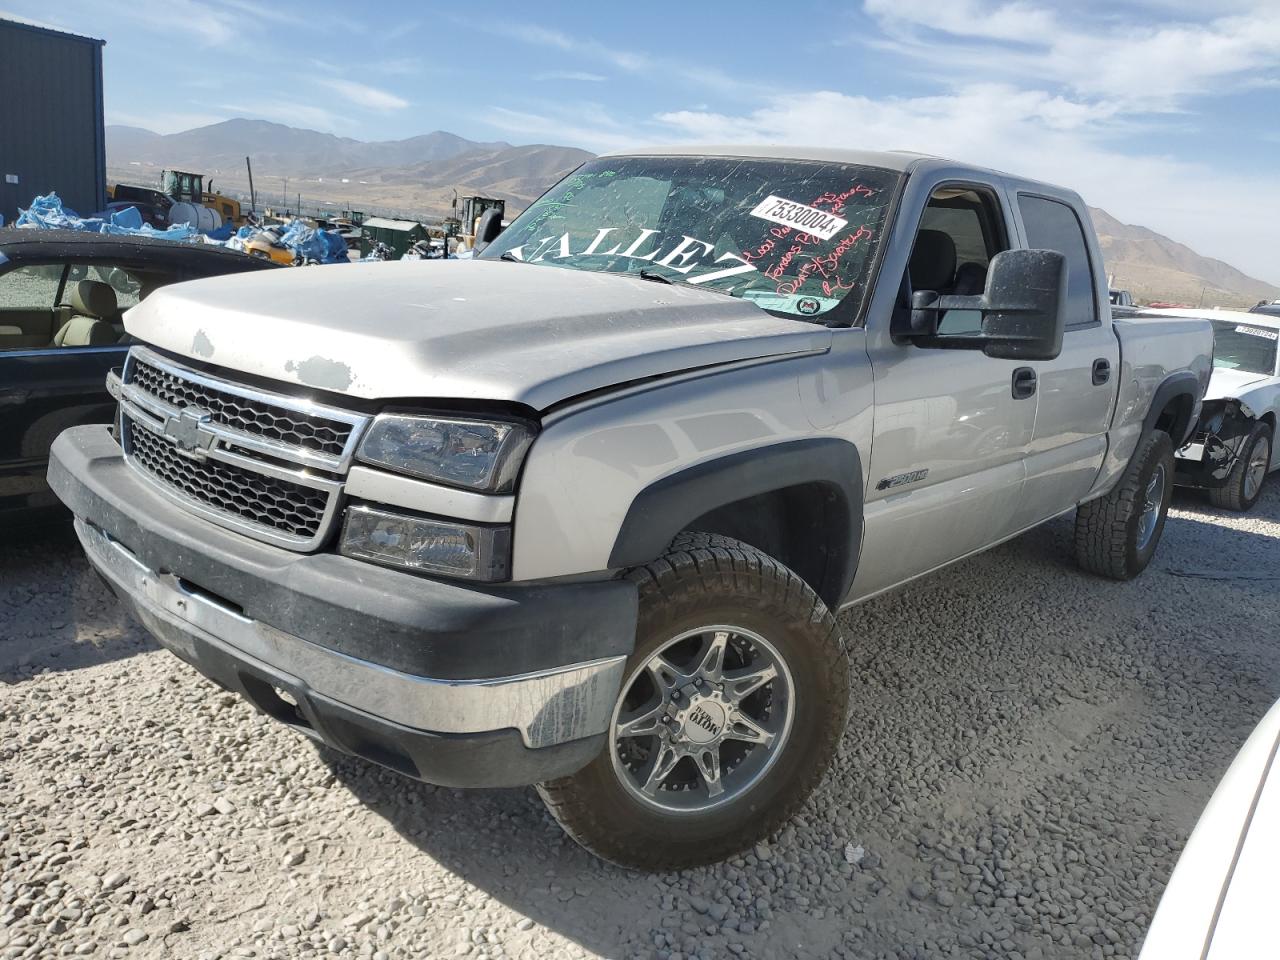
429,546
477,454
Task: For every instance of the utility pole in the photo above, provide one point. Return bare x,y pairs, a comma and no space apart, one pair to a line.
284,193
253,198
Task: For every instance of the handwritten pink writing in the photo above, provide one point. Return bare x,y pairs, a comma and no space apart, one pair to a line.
823,266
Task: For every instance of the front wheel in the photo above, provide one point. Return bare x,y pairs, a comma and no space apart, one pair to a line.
730,711
1116,535
1244,483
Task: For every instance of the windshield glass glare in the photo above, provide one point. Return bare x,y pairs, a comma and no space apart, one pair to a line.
794,237
1241,346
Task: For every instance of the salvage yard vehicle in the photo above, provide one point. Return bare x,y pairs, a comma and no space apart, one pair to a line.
62,294
266,244
1220,901
580,512
1233,446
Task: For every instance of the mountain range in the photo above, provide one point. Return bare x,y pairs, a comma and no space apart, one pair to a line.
418,176
415,177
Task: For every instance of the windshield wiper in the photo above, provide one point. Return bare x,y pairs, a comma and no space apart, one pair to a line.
655,277
510,257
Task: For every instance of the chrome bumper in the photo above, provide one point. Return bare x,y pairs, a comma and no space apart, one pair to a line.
547,708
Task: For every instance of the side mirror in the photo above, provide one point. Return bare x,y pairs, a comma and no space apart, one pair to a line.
487,228
1021,309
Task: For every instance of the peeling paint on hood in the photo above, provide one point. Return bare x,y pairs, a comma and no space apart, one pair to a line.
491,330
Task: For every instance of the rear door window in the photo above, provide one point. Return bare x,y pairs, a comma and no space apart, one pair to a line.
1053,225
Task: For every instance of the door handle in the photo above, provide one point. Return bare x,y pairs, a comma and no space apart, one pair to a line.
13,397
1101,371
1024,383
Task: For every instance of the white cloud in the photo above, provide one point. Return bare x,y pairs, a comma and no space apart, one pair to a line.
586,124
363,95
629,61
580,75
1139,62
291,113
166,121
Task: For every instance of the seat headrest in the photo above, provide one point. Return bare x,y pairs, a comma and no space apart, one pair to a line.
933,261
92,298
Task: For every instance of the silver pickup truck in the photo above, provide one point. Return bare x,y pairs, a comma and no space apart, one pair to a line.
581,512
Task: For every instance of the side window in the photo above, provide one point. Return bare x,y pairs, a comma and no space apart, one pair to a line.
122,282
1052,225
960,231
28,296
31,288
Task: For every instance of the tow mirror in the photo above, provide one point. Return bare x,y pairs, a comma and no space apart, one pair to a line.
487,228
1021,310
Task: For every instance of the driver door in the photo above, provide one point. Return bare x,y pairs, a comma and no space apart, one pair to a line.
946,469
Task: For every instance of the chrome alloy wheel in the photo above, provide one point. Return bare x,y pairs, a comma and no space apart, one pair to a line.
1256,469
1150,515
702,720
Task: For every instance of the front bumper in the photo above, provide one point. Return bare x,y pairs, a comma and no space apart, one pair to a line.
449,683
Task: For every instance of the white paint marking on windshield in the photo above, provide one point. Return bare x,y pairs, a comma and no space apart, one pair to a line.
800,216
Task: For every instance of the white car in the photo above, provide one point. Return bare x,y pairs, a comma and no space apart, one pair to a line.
1221,899
1233,447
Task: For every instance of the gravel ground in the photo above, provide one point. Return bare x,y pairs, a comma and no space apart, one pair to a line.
1027,751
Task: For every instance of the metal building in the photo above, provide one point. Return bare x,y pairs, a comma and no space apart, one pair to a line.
399,235
52,134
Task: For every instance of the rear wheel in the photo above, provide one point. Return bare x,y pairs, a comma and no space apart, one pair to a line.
1244,483
730,711
1116,536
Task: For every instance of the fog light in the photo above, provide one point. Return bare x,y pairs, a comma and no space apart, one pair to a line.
425,545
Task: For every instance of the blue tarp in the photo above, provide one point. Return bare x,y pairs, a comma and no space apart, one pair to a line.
49,213
321,246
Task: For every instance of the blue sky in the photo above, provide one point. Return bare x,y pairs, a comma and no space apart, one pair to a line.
1164,112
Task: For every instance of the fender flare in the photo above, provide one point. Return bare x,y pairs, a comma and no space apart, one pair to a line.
1184,382
668,505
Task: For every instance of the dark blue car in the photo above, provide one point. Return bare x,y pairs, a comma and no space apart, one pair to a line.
63,295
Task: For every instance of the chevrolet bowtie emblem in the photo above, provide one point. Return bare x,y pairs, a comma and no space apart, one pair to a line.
187,431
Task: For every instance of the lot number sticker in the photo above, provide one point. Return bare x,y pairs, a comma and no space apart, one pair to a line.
810,220
1259,332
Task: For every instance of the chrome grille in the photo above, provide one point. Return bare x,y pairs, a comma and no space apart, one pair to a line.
289,507
244,414
266,464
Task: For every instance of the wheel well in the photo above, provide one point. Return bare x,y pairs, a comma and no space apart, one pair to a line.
1175,418
804,527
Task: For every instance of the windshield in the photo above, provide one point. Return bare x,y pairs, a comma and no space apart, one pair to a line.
1240,346
794,237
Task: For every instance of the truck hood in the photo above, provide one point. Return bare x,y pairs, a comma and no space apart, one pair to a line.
476,329
1227,384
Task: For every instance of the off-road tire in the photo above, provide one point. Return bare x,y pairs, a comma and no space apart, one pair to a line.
1106,536
1231,496
706,579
